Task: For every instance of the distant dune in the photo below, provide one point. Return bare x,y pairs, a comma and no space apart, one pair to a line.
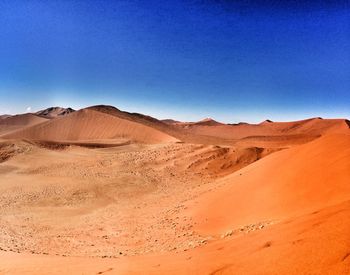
208,122
307,128
88,124
16,122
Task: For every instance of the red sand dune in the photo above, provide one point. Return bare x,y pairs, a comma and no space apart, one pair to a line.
91,125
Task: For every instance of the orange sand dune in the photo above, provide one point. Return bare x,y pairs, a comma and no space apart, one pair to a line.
12,123
286,183
90,124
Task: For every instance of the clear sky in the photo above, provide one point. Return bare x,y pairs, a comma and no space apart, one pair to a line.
230,60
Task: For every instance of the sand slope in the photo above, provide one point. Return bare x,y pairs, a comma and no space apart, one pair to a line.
286,183
91,125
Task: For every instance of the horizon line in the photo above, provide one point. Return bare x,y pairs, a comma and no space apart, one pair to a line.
174,118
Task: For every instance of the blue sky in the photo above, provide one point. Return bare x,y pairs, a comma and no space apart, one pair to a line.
231,60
